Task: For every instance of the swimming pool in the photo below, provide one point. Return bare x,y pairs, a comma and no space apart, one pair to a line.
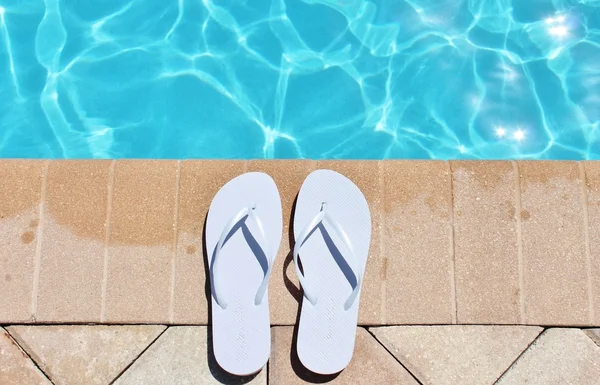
318,79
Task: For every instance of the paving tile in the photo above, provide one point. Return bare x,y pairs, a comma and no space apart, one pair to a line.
199,182
72,355
19,219
592,173
284,292
456,354
181,356
141,242
418,269
371,363
15,367
367,176
73,244
554,261
485,242
558,356
594,334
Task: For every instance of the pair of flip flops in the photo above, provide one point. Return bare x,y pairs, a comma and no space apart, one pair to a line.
332,231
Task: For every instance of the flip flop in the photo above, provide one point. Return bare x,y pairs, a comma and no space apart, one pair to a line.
243,233
332,230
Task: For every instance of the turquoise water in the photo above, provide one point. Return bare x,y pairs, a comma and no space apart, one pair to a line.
300,79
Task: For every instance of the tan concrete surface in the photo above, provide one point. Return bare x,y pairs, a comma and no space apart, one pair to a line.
20,195
443,247
592,192
555,272
486,243
84,355
456,355
418,266
15,367
73,245
181,356
559,356
142,234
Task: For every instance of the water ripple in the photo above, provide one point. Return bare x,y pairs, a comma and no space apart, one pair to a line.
489,79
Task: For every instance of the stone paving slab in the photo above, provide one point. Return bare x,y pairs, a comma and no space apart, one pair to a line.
15,367
72,250
81,354
20,197
371,363
141,242
418,271
592,192
559,356
181,355
437,355
555,267
486,243
456,354
118,242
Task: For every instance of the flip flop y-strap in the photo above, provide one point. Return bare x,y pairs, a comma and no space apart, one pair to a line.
226,234
334,227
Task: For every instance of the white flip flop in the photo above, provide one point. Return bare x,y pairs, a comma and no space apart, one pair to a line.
243,233
332,230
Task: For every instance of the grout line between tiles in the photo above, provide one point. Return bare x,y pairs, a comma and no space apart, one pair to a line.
382,256
38,247
519,229
586,233
4,324
125,369
20,344
393,356
109,204
453,299
590,337
519,356
174,248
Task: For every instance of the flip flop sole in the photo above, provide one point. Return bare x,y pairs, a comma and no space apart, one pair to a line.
326,331
241,332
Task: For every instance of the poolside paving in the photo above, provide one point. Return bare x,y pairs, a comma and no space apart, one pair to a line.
559,356
371,363
486,252
82,354
181,355
479,272
456,354
16,367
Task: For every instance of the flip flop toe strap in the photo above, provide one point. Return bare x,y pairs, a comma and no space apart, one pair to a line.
236,223
330,225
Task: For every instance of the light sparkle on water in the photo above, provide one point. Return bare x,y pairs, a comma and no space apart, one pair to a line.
519,135
559,30
500,132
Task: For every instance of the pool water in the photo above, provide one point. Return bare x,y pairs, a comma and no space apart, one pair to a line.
354,79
